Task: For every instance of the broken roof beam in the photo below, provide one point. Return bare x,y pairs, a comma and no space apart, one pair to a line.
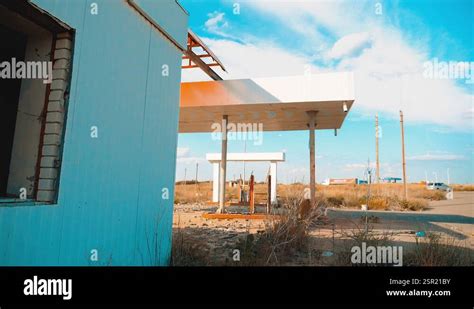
196,61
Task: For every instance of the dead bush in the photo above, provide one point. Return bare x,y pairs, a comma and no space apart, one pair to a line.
357,236
283,236
188,252
434,250
335,201
413,204
378,203
432,195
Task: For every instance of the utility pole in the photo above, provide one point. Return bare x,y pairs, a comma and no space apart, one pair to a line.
403,157
369,181
184,176
197,168
448,176
377,163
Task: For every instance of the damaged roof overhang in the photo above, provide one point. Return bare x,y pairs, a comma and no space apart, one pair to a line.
278,104
196,60
32,12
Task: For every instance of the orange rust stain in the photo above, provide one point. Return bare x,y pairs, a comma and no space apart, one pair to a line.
196,94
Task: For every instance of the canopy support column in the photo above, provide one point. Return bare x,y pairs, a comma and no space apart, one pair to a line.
273,174
312,159
215,181
223,169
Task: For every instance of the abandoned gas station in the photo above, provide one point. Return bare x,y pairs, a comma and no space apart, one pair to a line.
100,191
309,102
272,157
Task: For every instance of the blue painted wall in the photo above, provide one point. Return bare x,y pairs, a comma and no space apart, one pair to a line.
110,193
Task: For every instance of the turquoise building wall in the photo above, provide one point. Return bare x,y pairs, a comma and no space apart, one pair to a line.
111,196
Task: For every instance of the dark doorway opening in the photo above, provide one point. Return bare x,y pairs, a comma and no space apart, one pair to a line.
9,99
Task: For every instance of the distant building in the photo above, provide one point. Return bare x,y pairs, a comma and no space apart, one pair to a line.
339,181
391,179
343,181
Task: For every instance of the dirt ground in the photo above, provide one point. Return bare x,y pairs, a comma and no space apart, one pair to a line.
219,238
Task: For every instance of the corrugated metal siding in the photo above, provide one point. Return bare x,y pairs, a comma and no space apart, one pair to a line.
169,15
110,187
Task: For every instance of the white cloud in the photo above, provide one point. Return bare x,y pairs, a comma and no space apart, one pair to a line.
388,69
182,152
389,77
191,160
350,45
217,24
386,169
314,18
437,157
357,166
247,60
184,156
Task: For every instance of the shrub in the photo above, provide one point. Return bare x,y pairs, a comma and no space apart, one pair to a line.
378,203
188,252
335,200
437,251
432,195
463,187
413,204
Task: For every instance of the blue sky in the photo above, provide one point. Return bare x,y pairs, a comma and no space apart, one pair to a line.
387,44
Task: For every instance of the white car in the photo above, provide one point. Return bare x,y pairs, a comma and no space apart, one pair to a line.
437,186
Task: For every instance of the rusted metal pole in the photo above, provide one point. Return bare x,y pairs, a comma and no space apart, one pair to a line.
223,167
377,162
403,157
312,159
251,195
240,189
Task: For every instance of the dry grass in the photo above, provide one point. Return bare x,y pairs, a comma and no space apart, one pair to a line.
463,187
435,250
287,240
283,237
382,197
187,251
191,193
355,237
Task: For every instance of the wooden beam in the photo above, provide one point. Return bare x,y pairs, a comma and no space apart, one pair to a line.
201,64
239,216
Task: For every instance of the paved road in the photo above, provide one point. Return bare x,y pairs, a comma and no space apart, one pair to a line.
458,210
452,217
462,204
